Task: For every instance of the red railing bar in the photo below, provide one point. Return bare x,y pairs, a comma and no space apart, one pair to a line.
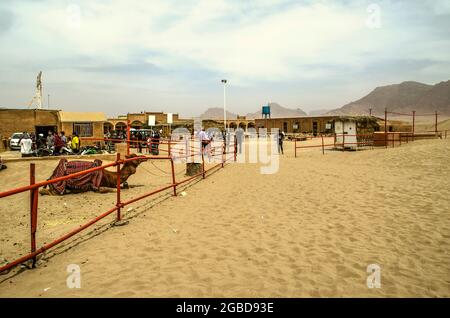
34,187
55,242
44,183
146,195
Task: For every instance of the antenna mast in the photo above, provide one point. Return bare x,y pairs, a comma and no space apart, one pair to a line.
37,99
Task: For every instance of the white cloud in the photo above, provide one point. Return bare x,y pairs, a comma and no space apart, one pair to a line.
247,42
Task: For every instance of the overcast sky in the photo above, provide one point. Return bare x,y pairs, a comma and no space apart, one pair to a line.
160,55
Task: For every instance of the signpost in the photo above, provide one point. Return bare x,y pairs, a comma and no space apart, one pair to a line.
151,120
170,121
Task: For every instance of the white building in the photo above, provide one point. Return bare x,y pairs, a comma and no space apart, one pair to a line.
345,130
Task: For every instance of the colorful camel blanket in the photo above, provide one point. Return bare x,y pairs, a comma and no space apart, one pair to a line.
85,182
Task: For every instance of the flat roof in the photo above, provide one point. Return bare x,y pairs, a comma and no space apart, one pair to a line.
81,116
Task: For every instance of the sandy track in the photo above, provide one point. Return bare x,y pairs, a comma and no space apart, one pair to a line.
309,230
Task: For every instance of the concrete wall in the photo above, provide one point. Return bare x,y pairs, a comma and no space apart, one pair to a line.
18,120
305,124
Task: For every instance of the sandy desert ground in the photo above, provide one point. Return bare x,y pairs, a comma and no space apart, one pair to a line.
309,230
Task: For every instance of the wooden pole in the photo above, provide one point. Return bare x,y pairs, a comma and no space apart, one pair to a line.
414,124
295,145
323,150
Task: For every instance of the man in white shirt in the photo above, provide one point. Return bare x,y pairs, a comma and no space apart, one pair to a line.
25,146
203,138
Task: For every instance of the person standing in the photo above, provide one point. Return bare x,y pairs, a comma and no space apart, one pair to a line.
59,144
50,140
63,137
203,138
280,142
239,138
25,146
75,145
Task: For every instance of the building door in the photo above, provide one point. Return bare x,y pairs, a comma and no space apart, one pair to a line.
45,129
285,127
315,126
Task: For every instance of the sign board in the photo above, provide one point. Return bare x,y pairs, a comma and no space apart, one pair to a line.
295,126
328,126
151,120
169,118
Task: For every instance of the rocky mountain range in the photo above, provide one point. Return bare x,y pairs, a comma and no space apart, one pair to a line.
403,98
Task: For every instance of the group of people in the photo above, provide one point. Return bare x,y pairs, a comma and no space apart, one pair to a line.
54,144
148,139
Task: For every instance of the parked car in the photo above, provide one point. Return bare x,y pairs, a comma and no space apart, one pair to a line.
14,141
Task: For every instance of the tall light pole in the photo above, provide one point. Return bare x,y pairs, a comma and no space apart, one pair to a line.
224,81
48,101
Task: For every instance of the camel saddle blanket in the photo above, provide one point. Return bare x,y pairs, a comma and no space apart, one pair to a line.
85,182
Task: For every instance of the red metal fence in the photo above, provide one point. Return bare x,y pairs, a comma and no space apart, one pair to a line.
34,186
384,139
362,140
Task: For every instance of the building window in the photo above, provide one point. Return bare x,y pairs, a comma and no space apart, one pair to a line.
83,129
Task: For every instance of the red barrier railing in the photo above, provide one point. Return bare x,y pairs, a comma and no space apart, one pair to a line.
365,140
34,188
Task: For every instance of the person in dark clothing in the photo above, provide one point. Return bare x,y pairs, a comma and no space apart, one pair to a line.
155,143
2,166
239,138
280,142
59,144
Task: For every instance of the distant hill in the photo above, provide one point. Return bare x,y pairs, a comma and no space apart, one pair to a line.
435,99
278,111
403,97
217,113
318,112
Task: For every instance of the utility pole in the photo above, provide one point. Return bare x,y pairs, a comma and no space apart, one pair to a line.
224,82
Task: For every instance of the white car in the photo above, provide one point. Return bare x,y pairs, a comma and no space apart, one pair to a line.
14,141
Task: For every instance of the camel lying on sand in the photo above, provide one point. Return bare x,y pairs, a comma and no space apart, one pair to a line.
95,181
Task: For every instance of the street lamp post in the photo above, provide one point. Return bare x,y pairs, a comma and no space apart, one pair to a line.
224,81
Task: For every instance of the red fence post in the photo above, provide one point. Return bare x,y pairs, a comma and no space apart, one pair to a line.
128,137
436,123
223,154
235,148
385,128
173,178
414,122
118,204
33,210
203,163
169,148
323,150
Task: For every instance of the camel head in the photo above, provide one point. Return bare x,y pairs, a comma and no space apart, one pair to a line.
130,166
